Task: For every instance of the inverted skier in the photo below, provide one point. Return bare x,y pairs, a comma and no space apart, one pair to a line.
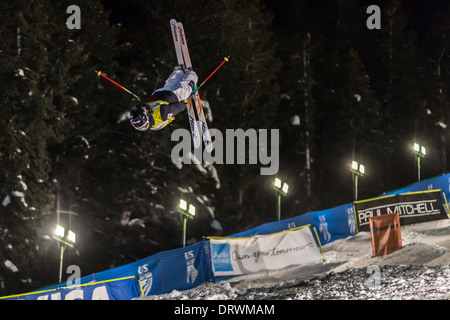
165,103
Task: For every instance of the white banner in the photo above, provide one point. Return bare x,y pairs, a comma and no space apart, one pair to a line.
236,256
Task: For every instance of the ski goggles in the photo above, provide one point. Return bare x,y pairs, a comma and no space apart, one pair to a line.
140,127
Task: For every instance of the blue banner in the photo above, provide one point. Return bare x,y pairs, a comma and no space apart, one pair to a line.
179,269
331,224
439,182
119,289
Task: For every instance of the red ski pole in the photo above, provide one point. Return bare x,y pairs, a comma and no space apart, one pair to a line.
99,73
198,87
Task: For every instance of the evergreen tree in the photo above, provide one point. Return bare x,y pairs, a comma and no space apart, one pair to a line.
343,113
297,109
396,69
432,127
53,135
85,159
29,124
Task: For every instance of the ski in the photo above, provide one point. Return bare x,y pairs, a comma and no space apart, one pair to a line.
190,105
195,99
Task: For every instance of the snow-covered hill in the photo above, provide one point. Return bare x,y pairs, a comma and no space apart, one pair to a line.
420,270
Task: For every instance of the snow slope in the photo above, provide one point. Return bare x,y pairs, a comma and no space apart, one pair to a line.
420,270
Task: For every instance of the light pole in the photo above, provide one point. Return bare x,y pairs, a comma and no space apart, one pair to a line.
358,170
420,152
280,189
186,212
64,240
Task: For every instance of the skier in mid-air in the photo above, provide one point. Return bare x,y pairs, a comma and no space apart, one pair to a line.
166,102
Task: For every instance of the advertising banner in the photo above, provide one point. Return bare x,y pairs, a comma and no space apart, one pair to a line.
441,182
237,256
177,269
332,224
412,207
116,289
386,234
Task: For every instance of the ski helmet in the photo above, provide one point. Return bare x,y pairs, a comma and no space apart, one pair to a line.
139,118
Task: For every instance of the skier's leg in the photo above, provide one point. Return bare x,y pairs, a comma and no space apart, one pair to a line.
180,83
187,85
172,81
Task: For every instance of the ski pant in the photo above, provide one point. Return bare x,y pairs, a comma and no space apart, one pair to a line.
178,83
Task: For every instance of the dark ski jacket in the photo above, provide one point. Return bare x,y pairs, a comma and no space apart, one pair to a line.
165,113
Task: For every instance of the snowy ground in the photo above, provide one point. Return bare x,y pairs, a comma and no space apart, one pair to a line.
420,270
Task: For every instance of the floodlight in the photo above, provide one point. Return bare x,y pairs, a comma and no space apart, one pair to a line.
192,210
358,170
59,231
186,214
420,152
277,183
63,239
183,204
285,188
362,169
281,188
71,236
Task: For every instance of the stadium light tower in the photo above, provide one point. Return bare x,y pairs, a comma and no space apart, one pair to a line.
358,170
64,240
280,189
186,212
420,152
